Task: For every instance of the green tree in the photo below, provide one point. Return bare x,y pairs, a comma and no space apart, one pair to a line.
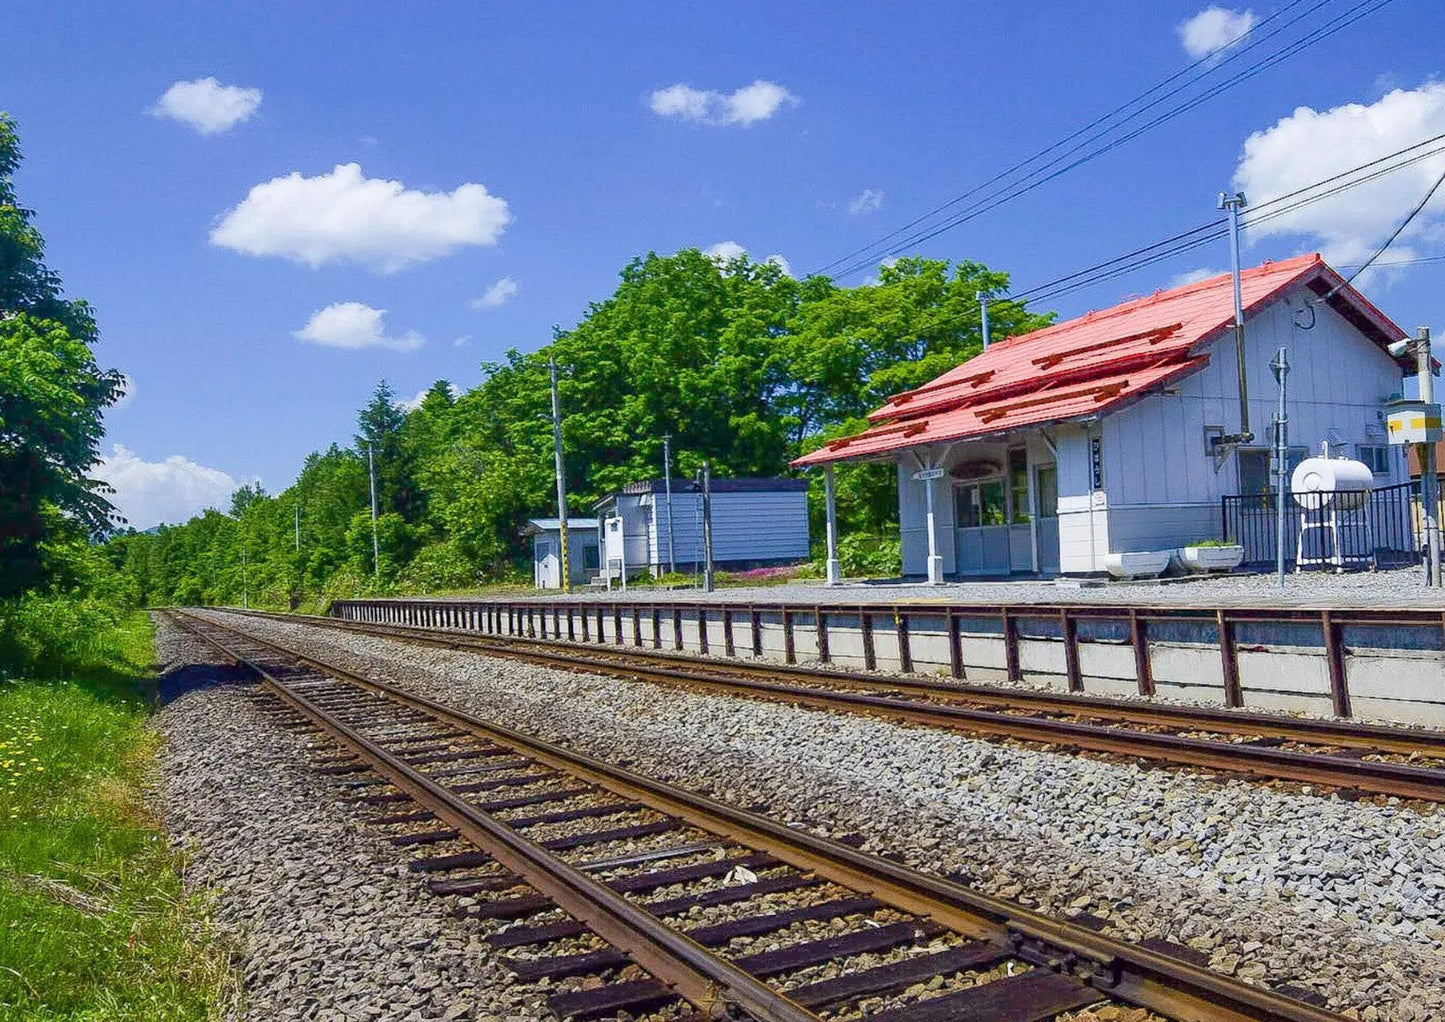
52,394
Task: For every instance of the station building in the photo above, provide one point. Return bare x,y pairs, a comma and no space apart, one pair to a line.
1049,451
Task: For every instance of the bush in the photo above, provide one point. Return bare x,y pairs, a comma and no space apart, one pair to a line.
861,555
46,637
437,568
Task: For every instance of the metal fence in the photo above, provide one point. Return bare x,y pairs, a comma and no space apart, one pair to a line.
1344,529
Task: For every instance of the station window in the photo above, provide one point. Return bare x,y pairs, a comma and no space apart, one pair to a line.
978,504
1375,456
1018,484
1256,468
1048,481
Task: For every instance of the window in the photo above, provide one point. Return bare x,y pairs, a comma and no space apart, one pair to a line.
1376,457
1256,468
978,504
1018,484
1048,482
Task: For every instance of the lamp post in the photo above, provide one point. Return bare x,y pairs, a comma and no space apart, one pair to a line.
1429,483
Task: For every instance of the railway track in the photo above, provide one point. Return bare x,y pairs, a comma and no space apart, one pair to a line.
1348,756
673,904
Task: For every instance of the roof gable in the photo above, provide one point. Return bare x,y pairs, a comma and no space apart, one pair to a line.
1096,362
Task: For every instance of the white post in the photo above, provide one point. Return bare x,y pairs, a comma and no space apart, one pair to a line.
935,561
829,502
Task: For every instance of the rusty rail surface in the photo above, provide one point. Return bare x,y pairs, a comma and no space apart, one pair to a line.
1135,974
934,704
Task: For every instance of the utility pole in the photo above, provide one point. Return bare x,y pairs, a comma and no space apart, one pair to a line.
371,475
706,528
1429,483
565,568
1233,204
983,297
245,574
667,484
1280,365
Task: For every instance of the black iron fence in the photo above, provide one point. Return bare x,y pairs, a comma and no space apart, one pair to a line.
1342,529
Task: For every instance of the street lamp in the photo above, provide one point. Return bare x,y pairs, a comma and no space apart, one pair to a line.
1430,433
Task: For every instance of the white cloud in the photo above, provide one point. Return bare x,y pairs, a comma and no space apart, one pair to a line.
1213,29
207,105
462,341
354,325
869,200
751,103
497,295
727,251
127,393
150,492
1310,145
1193,276
780,263
346,216
412,403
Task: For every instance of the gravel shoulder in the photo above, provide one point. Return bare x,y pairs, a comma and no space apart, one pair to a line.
1345,899
330,923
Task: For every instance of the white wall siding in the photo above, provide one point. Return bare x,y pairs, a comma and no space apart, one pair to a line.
1155,450
756,525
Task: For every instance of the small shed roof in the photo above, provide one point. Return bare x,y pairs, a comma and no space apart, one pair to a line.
749,485
537,525
1093,364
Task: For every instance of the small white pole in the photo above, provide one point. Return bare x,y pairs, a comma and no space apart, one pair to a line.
830,504
935,561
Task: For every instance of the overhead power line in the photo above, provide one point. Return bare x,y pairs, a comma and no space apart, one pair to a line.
1213,231
1093,137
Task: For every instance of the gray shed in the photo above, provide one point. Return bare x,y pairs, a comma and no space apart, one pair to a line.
546,536
755,523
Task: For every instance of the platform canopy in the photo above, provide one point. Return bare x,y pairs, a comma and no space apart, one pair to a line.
1094,364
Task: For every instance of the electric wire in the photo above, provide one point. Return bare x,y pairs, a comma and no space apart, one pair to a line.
1052,170
1207,59
1215,230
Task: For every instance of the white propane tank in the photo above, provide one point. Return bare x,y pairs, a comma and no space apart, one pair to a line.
1317,482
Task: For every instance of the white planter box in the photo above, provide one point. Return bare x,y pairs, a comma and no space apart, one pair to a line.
1211,558
1137,563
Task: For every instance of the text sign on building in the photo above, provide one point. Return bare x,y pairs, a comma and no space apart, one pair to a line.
1412,422
927,474
1096,463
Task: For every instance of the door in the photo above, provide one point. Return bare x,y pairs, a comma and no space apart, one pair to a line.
1046,499
980,509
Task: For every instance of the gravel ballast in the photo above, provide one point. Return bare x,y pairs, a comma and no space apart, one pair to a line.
1346,899
330,923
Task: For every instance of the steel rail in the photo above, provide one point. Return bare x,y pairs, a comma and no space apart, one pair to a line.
1401,780
1351,734
710,983
1119,969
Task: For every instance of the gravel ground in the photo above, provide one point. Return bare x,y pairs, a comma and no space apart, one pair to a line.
330,923
1344,898
1395,588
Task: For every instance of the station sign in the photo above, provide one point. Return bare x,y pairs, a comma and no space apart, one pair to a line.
1412,422
927,474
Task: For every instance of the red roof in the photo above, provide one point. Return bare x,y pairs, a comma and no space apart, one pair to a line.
1093,364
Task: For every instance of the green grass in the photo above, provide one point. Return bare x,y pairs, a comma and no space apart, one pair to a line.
94,922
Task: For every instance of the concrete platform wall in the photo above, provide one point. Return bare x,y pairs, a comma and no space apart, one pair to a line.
1385,665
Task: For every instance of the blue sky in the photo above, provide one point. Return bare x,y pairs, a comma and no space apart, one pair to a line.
867,116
